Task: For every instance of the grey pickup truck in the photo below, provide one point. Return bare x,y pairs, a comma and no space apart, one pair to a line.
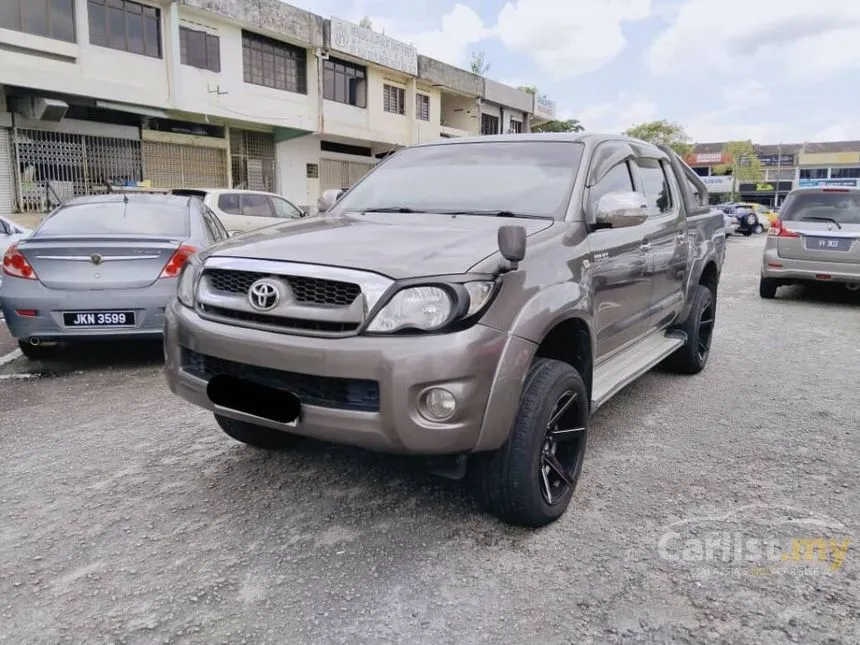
472,301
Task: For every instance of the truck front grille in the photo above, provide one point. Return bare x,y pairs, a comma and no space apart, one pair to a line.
281,322
323,391
314,291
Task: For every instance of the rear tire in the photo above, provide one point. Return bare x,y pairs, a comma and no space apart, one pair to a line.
256,436
767,288
37,352
520,482
692,356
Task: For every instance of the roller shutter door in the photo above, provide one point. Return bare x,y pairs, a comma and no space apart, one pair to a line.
338,173
176,165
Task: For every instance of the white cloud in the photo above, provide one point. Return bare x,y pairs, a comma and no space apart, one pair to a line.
567,38
797,39
617,116
460,29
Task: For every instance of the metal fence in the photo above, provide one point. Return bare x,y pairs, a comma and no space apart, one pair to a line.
52,167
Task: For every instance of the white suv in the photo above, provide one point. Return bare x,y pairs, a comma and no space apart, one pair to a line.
244,210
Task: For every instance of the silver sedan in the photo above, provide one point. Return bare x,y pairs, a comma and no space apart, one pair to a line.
101,267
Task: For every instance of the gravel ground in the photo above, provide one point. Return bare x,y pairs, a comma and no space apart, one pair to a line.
126,516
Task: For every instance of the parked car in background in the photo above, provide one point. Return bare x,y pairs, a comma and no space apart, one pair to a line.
101,268
746,218
245,210
10,232
730,223
587,260
816,240
765,215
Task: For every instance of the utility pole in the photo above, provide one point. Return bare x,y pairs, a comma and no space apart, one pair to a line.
778,168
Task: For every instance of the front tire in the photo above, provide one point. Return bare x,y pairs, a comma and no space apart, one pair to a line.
530,480
692,356
767,288
256,436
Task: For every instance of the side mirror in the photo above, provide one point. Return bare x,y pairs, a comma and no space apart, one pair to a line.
328,199
512,244
620,210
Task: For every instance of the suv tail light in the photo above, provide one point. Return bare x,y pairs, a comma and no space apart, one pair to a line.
777,229
177,261
16,265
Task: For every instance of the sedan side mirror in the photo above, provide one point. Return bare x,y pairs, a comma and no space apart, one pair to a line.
620,210
328,199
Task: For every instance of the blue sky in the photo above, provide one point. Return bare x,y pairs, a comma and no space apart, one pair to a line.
767,70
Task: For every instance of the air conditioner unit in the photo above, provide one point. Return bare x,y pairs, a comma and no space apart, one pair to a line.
39,108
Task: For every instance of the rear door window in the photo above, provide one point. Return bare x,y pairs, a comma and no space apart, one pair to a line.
229,203
117,218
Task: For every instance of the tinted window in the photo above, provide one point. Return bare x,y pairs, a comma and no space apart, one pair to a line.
655,186
843,208
255,205
617,180
229,203
116,218
219,227
285,209
528,177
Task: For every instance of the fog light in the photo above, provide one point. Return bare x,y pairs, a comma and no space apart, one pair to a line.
438,404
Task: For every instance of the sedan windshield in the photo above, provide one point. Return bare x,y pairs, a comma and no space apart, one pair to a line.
528,178
835,207
117,218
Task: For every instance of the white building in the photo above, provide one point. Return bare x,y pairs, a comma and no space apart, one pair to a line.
218,93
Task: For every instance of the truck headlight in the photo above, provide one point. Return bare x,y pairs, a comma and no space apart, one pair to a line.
431,307
187,282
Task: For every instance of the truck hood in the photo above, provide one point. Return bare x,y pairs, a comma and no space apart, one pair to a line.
392,244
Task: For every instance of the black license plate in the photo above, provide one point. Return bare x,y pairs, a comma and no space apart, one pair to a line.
98,318
828,243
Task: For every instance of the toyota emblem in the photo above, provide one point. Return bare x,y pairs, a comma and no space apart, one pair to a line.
264,295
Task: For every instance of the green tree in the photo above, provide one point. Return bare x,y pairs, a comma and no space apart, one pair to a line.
743,164
665,133
565,125
366,23
479,63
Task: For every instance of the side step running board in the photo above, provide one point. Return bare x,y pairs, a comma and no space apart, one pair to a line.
620,371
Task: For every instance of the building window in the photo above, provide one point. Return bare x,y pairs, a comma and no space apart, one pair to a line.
786,174
126,26
845,173
516,127
51,19
199,49
422,107
489,124
394,99
344,82
702,171
813,173
274,64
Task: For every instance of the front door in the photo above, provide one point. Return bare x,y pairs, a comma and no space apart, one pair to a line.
665,239
619,259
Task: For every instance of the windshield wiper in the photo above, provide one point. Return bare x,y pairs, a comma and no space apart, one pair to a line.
496,213
823,219
390,209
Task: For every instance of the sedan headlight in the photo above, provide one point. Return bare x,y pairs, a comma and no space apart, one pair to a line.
431,307
187,282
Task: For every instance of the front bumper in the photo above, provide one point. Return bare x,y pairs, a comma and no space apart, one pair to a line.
483,367
792,270
148,303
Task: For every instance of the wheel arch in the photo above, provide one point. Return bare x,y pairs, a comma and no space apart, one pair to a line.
570,341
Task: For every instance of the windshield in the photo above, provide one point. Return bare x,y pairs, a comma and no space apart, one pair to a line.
117,218
531,178
841,208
